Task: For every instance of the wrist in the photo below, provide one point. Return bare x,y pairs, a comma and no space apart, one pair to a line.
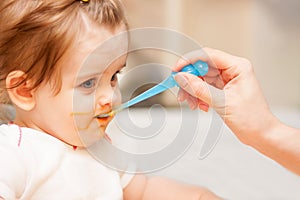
266,137
279,142
255,132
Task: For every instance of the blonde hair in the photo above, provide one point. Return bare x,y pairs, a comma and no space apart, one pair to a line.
35,34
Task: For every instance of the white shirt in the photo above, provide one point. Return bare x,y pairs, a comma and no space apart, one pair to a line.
35,165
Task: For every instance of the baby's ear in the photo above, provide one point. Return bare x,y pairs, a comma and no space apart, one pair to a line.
20,94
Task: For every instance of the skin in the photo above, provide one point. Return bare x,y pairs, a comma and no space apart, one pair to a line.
88,94
89,88
232,89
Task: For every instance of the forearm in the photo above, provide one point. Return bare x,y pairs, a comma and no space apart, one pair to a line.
281,143
148,188
164,189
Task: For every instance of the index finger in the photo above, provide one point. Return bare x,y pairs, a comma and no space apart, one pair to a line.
213,57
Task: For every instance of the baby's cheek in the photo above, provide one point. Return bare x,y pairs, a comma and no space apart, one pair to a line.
117,98
83,110
83,103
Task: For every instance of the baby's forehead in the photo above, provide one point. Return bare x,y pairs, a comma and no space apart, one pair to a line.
96,53
106,48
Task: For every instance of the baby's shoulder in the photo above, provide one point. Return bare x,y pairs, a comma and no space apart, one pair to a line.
9,135
13,142
27,144
26,151
13,168
12,134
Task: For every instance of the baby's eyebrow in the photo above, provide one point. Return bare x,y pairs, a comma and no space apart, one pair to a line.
88,75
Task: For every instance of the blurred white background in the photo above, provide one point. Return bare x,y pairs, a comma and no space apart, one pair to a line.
264,31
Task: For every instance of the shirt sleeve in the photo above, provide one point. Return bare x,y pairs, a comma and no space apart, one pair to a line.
6,193
12,171
125,179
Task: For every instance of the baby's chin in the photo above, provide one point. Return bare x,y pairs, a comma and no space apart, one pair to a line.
89,141
90,136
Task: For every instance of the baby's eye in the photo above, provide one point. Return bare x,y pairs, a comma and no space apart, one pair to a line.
88,84
115,76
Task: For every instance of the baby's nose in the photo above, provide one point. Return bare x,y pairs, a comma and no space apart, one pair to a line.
105,99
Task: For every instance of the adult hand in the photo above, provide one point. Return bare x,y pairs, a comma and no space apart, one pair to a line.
231,88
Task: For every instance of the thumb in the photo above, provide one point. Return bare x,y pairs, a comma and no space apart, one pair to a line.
198,88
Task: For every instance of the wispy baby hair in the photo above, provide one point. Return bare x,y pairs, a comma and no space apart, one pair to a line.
35,34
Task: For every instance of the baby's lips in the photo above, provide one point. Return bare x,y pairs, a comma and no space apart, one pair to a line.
104,120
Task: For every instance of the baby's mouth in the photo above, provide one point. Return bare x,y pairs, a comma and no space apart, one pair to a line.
104,118
105,115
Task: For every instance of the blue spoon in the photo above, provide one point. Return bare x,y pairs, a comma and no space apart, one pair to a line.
199,68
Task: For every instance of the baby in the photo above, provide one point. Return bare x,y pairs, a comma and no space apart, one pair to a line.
56,92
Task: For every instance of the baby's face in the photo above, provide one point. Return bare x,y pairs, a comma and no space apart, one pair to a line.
89,87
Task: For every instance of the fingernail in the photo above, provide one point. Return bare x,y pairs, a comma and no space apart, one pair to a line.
204,107
181,80
180,99
193,106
